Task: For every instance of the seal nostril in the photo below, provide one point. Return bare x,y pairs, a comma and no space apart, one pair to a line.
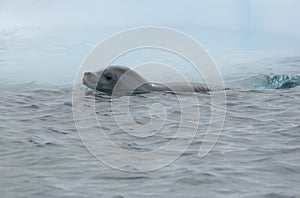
87,73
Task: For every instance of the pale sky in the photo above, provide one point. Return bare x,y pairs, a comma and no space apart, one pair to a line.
242,16
276,16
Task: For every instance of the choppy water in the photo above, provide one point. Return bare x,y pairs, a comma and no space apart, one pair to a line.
257,155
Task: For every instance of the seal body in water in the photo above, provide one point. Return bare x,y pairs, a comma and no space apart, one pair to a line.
123,81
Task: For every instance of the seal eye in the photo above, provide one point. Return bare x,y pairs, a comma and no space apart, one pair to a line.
108,76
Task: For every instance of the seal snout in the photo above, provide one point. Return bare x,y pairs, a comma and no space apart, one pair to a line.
87,73
90,80
90,76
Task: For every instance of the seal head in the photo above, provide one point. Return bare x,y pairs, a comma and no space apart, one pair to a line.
117,79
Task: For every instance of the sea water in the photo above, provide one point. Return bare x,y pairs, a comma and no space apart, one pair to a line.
42,155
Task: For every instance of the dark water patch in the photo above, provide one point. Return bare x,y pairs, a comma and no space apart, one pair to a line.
278,195
124,177
48,92
69,104
55,130
38,141
33,106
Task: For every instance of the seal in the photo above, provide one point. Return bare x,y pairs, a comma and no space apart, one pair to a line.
123,81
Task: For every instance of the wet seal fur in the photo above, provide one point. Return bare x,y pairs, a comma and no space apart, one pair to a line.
125,81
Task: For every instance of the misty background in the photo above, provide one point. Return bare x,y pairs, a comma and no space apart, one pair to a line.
47,40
